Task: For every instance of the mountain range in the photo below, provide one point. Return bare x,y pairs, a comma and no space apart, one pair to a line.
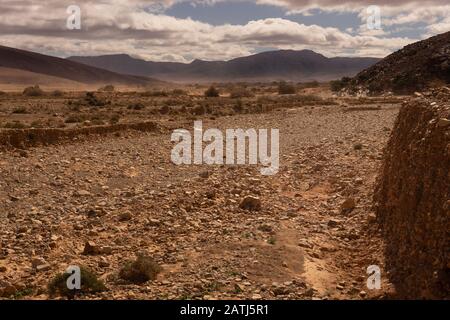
304,65
25,67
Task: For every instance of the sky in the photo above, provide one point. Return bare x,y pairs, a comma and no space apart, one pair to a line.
184,30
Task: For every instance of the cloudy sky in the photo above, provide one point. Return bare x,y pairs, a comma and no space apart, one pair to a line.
183,30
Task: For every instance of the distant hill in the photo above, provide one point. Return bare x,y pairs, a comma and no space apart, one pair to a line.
415,67
62,68
304,65
13,77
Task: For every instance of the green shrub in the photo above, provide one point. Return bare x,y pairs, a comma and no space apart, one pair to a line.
141,270
57,93
15,125
178,92
311,84
238,108
89,284
405,83
107,88
114,119
240,93
338,85
136,106
155,93
285,88
20,110
36,124
211,92
74,119
92,100
199,110
33,91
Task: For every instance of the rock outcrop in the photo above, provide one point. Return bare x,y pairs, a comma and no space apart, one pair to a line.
413,197
416,67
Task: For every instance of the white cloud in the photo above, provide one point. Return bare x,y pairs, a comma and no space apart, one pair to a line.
133,27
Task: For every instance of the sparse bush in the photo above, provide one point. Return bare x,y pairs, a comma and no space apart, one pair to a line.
33,91
405,83
238,108
92,100
312,84
155,93
240,93
57,93
338,85
211,92
94,122
285,88
199,110
36,124
107,88
141,270
74,119
114,119
136,106
89,284
15,125
20,110
178,92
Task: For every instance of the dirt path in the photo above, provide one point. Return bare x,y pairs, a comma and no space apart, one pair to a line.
299,246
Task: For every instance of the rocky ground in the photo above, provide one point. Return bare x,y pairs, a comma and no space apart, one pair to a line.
313,237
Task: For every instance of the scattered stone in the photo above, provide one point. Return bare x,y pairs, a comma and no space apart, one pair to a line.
103,263
106,250
90,248
35,262
6,289
265,228
333,223
443,123
348,205
43,267
125,216
372,217
82,193
154,222
251,203
204,174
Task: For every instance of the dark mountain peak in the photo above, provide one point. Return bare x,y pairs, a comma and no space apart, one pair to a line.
198,61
